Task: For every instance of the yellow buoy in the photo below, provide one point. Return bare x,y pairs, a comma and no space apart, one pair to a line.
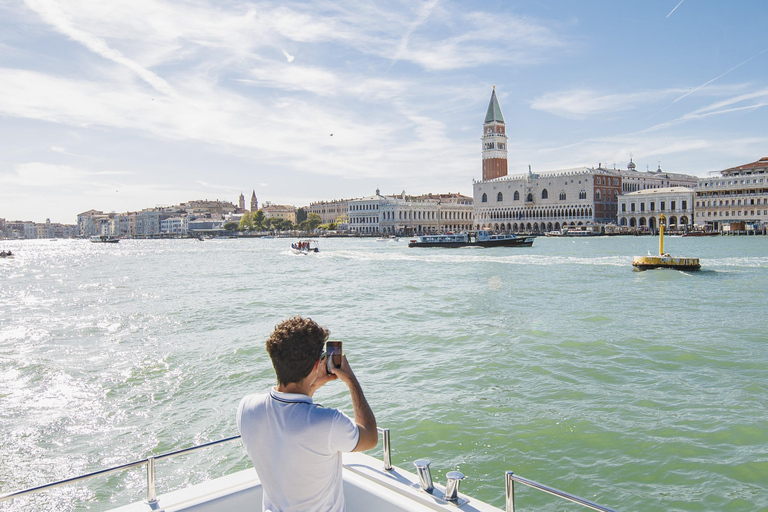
664,260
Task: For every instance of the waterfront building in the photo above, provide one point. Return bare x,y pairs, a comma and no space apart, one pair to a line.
147,223
410,215
45,229
330,211
217,209
547,201
641,210
734,199
633,180
123,224
175,225
94,222
279,211
205,225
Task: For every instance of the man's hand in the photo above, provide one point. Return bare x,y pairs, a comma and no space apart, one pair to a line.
364,418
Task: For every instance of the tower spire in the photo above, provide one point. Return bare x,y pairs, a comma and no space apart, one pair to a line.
494,141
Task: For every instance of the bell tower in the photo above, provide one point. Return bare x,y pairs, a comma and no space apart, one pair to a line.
254,202
494,141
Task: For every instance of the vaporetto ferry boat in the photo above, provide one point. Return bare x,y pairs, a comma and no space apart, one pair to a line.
482,239
370,485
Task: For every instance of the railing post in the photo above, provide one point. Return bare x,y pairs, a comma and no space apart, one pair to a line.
151,491
510,492
387,448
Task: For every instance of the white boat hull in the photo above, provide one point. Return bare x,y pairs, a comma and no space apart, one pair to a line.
367,487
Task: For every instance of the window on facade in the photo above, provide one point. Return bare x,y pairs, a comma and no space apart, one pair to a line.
685,205
653,205
662,205
624,207
485,198
562,196
672,205
544,194
642,207
529,198
597,195
516,197
499,197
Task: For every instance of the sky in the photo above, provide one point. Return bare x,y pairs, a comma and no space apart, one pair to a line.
130,104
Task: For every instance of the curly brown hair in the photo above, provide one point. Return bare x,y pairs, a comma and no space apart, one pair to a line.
294,346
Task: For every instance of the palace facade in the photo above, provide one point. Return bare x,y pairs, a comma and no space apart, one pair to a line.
736,196
641,210
410,215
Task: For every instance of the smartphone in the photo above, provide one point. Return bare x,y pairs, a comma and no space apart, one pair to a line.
333,355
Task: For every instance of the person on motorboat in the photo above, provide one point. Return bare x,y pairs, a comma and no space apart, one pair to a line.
294,444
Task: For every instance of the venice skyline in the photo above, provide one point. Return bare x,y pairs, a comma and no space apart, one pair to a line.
151,102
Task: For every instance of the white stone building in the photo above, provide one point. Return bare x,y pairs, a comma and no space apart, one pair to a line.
633,180
641,210
175,225
547,201
330,211
402,214
734,197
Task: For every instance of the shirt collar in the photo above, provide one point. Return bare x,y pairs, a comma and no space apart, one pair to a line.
291,398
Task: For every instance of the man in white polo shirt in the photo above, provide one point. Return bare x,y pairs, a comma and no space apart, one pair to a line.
295,444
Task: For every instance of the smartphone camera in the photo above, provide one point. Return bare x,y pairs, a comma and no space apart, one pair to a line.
333,353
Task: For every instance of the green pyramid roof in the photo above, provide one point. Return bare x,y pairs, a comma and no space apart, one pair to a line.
494,110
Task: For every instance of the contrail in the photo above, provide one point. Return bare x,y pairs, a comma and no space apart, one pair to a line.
705,84
718,77
673,10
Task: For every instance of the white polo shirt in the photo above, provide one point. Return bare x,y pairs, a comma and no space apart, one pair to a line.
296,447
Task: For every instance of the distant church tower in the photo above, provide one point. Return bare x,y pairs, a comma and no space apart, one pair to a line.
494,141
241,203
254,203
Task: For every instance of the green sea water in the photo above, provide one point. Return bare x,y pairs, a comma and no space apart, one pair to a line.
638,390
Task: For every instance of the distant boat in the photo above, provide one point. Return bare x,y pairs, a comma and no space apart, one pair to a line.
582,231
104,239
701,233
482,239
305,247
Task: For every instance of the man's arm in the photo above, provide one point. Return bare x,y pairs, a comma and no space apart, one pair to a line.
364,418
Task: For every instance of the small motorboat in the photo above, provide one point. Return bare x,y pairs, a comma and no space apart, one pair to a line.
305,247
104,239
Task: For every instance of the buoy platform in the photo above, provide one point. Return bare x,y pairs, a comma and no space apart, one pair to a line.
664,260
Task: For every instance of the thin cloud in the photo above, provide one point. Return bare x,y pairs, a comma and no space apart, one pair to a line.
52,14
580,103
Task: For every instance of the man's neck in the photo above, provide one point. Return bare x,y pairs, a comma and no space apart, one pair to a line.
298,388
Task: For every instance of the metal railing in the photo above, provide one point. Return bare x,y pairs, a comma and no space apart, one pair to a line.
150,463
511,478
